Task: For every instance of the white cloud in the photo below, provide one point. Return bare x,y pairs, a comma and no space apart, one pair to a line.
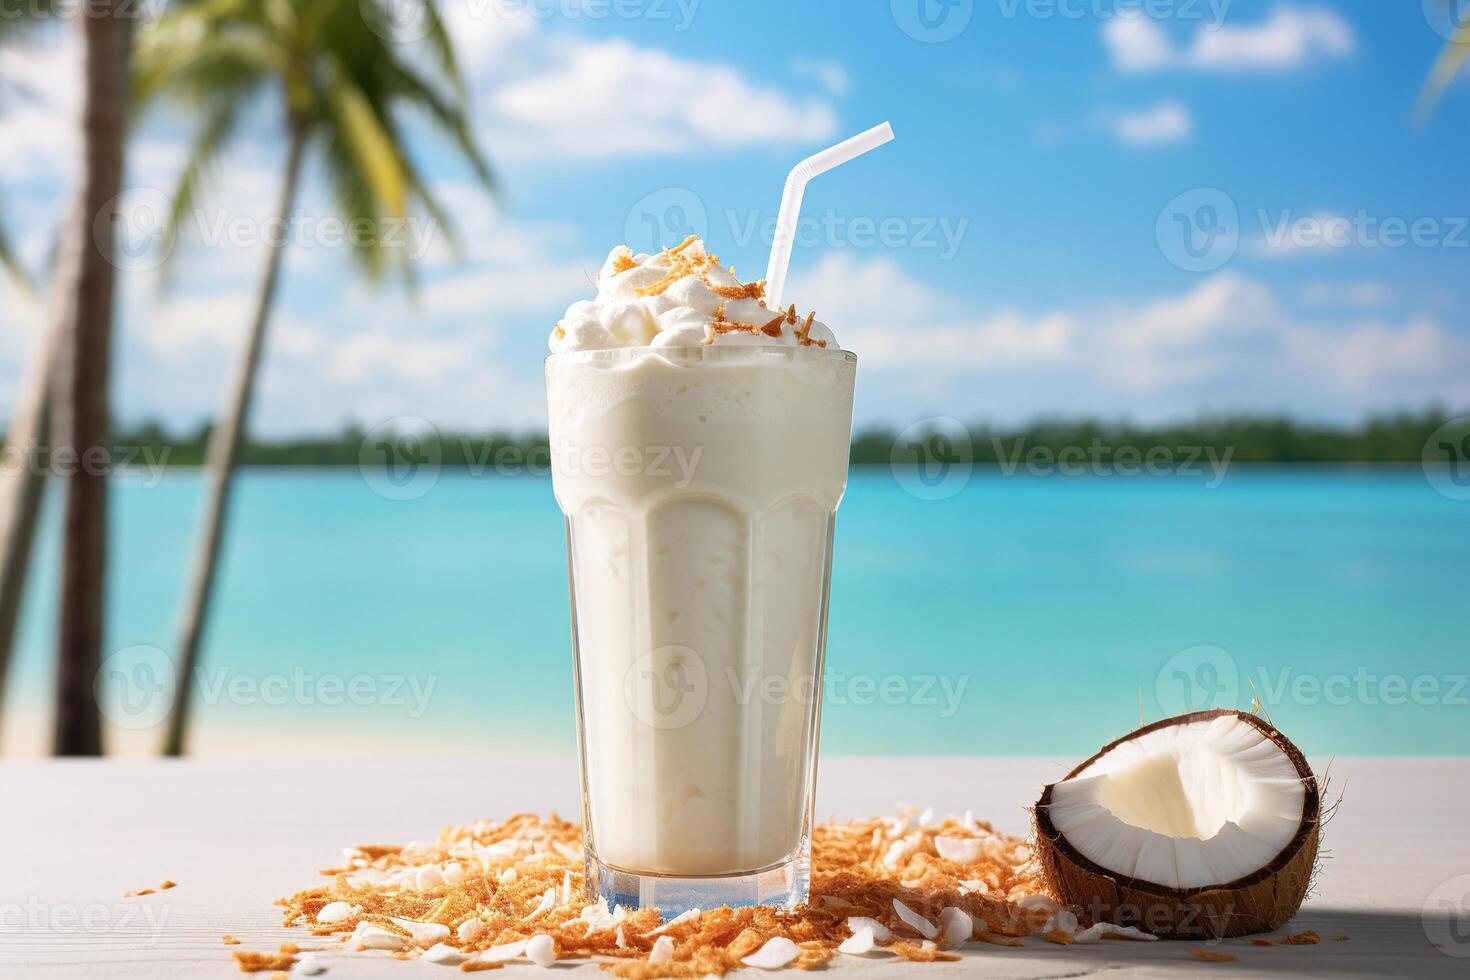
1137,44
599,99
1369,292
830,75
1290,37
1228,343
1166,122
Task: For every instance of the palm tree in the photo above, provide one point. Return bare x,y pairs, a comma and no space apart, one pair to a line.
21,488
343,85
83,292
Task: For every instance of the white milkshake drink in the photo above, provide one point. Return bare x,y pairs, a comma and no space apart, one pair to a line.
699,451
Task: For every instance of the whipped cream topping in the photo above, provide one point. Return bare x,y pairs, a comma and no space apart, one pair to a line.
681,297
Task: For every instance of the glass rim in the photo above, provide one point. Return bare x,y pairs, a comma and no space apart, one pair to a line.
698,352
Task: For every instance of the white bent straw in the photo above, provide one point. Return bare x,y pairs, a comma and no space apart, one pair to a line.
796,182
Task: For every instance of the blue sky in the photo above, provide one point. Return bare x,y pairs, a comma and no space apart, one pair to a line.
1051,156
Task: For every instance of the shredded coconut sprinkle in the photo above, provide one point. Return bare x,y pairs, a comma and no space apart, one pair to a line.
517,893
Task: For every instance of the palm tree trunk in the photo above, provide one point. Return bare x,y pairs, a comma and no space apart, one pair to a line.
85,275
24,490
224,451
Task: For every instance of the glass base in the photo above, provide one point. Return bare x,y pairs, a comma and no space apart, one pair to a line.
784,886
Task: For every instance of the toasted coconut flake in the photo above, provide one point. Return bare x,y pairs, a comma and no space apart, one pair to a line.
777,953
255,961
1099,931
513,865
678,920
424,934
310,964
925,952
1213,956
541,950
880,932
443,953
859,943
960,849
748,290
1307,938
662,953
504,951
370,936
334,912
956,925
914,920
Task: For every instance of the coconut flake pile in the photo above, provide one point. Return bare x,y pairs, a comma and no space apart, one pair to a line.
486,895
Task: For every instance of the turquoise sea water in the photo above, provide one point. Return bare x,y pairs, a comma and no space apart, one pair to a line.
1027,615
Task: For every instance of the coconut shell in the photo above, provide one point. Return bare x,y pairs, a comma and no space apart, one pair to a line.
1260,902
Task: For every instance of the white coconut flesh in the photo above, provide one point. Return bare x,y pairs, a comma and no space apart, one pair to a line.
1184,806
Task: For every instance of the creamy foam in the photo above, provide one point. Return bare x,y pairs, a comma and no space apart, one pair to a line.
680,297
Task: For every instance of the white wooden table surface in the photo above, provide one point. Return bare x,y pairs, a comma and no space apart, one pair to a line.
236,835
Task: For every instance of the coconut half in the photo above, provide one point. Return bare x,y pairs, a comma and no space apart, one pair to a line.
1204,825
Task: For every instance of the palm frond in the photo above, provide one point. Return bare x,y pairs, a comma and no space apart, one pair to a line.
176,61
1446,67
449,118
363,134
209,142
443,48
11,263
354,199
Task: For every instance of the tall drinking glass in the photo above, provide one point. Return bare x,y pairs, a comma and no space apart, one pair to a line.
699,487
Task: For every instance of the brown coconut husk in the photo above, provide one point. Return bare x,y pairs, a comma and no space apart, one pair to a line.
1259,902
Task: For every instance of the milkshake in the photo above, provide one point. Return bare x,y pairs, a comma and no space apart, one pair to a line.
699,451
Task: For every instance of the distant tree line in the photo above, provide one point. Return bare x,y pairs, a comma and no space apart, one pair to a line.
1397,437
